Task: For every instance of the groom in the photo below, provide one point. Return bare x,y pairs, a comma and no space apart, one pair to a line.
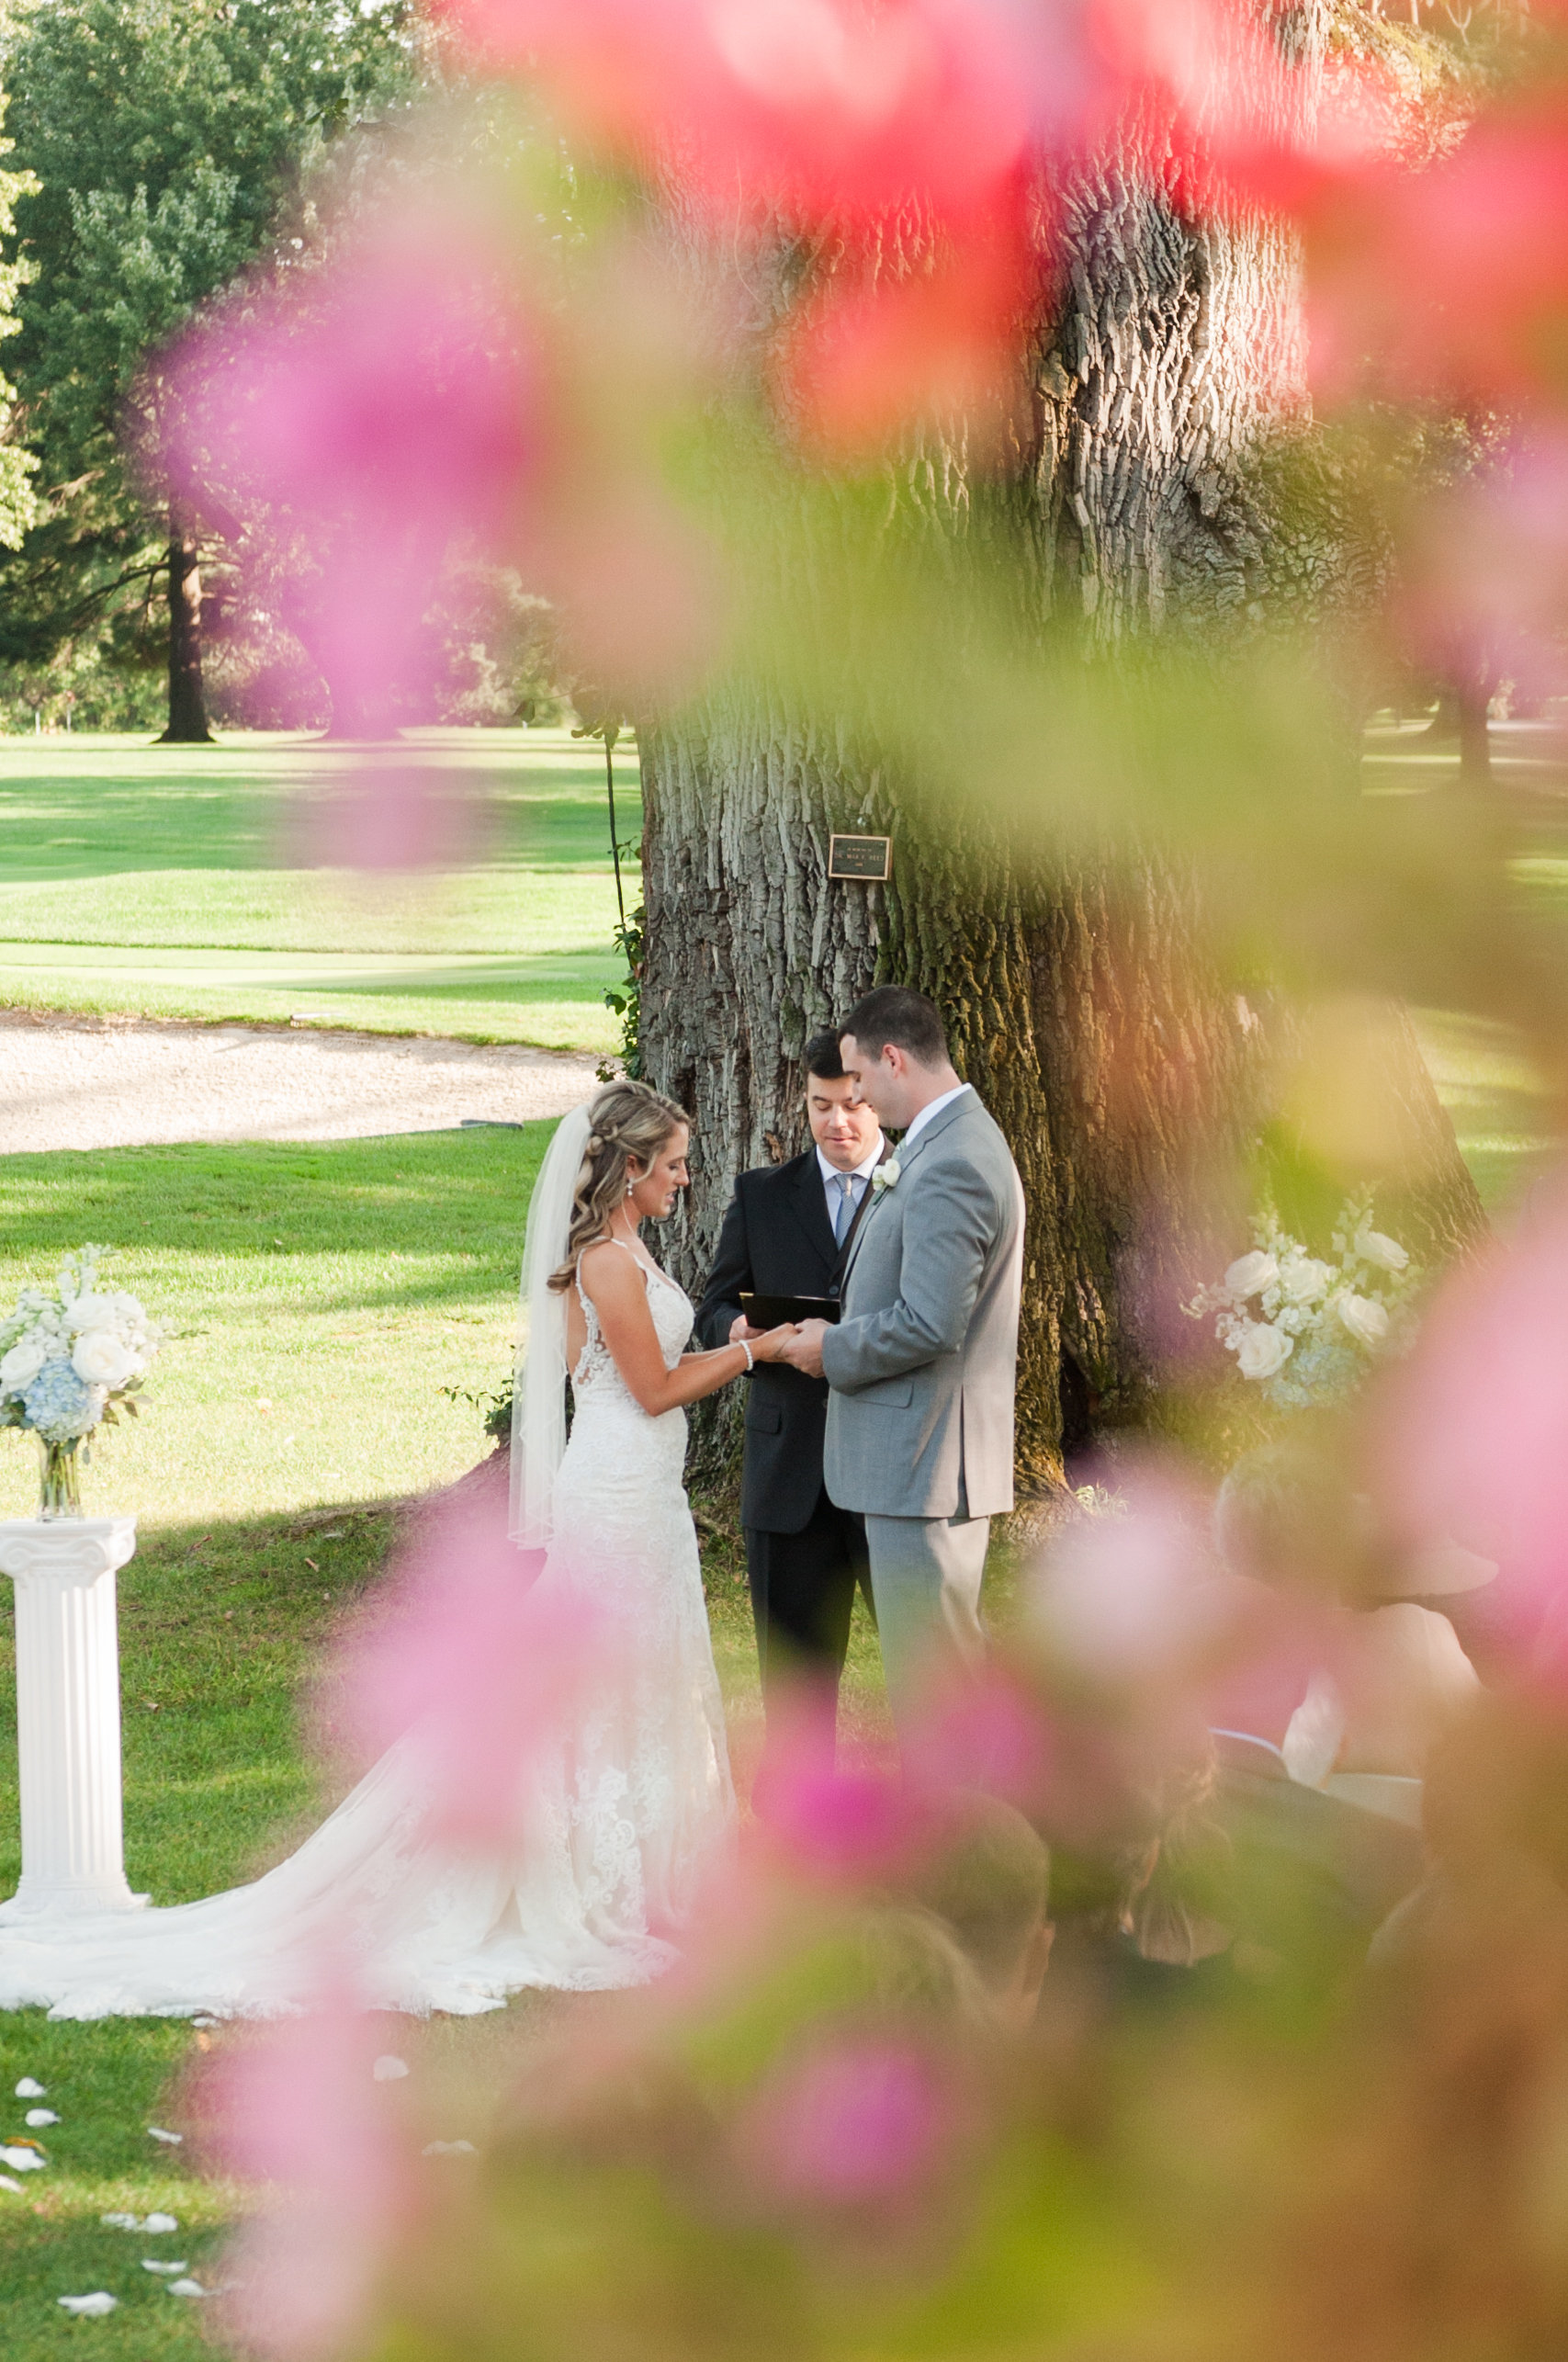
922,1366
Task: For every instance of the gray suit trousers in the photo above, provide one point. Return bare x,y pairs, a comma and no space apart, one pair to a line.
925,1579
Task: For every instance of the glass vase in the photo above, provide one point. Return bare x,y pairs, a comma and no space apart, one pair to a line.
60,1480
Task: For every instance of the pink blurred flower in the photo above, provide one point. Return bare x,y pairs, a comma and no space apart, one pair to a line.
842,119
844,1822
1470,1443
982,1730
347,426
851,2123
1484,571
484,1669
1128,1598
299,2108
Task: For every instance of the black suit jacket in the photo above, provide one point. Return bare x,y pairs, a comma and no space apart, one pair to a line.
776,1239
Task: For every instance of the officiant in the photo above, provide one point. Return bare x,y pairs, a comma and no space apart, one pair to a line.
787,1232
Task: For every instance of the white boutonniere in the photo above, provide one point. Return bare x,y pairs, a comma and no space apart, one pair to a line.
885,1176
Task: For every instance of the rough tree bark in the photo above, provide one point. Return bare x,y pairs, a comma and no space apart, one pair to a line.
187,698
1081,999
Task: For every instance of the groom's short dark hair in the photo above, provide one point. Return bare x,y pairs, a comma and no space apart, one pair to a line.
821,1058
893,1013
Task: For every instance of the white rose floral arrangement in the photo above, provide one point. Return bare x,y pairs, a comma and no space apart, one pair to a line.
70,1359
1301,1327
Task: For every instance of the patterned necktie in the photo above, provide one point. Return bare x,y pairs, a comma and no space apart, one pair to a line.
846,1207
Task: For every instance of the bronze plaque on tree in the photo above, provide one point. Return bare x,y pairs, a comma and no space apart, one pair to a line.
863,857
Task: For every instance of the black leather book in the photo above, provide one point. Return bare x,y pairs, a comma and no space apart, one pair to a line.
773,1311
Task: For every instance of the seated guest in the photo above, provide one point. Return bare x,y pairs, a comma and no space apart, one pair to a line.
1400,1677
991,1884
787,1232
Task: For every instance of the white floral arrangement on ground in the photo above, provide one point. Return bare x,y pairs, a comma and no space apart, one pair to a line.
1304,1329
69,1359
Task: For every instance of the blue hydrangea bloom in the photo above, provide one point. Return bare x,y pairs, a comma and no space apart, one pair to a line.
60,1404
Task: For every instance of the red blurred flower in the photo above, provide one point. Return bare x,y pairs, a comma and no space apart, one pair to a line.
911,139
1452,281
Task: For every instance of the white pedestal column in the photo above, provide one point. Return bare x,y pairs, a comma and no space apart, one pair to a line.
68,1712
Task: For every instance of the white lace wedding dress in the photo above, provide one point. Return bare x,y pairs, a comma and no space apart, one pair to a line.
625,1815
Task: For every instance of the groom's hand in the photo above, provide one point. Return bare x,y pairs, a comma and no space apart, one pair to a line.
804,1351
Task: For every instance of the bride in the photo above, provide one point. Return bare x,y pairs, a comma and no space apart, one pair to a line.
629,1804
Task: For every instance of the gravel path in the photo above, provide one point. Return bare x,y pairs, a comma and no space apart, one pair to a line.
81,1083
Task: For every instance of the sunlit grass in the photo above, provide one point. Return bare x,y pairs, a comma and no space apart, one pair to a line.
1499,1106
168,883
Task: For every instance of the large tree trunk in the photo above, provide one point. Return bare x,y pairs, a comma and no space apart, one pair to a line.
1081,996
187,698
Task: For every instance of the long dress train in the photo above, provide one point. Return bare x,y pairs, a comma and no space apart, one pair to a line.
624,1816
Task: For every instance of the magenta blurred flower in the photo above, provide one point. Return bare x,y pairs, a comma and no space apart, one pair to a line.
347,426
851,2122
835,1821
983,1730
299,2109
485,1669
1471,1445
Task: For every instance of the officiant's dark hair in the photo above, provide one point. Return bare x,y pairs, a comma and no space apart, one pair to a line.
820,1056
892,1013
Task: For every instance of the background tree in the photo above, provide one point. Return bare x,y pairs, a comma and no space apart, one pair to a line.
1130,1054
165,138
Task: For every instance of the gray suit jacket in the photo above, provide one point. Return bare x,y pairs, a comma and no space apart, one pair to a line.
923,1362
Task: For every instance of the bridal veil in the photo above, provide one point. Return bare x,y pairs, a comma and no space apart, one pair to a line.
538,1401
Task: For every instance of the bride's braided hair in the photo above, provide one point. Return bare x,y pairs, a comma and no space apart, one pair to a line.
627,1119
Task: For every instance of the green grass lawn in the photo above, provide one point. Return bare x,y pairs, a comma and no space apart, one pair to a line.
168,882
318,1300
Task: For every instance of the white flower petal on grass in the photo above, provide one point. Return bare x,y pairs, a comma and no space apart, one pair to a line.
156,2132
37,2116
29,2089
158,2223
388,2069
15,2188
99,2301
20,2160
151,2263
187,2289
449,2149
121,2221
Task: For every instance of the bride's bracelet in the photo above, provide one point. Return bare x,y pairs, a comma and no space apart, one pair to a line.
751,1359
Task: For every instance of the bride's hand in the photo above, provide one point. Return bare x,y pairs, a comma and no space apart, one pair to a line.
770,1344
